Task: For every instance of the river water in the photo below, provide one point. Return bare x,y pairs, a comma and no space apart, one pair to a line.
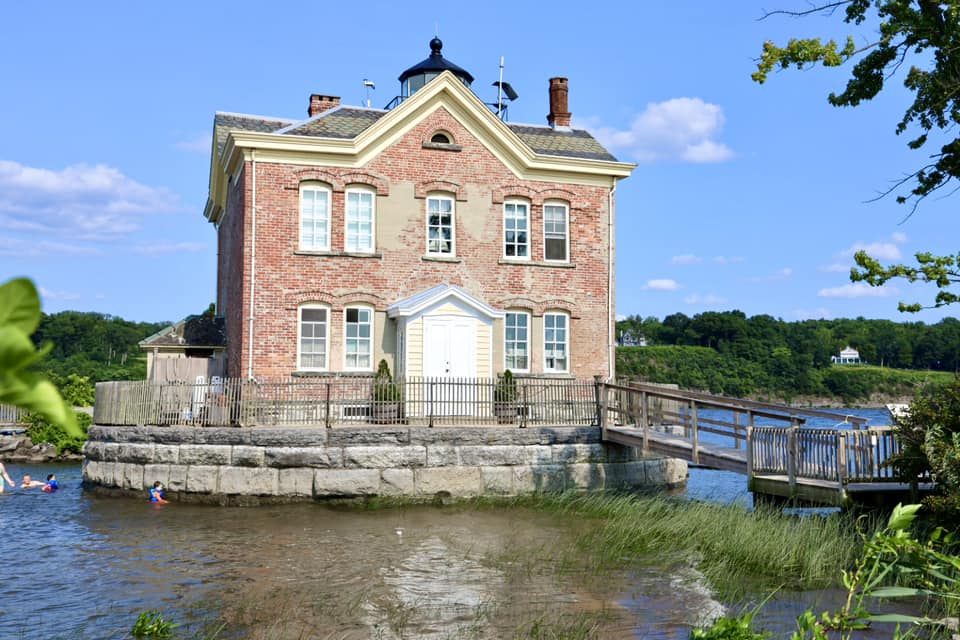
83,566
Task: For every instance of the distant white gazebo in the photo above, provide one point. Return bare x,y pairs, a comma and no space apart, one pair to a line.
849,355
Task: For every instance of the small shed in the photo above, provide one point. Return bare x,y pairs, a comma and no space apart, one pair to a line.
183,352
629,339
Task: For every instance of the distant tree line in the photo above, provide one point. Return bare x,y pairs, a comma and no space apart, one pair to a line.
727,352
93,345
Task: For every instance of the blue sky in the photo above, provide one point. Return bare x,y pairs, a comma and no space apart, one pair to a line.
746,197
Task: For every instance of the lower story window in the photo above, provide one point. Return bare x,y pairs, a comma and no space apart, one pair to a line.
359,340
556,342
313,338
517,342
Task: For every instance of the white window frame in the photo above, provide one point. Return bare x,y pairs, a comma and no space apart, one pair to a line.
347,338
565,342
361,192
506,342
326,337
553,236
506,205
453,226
323,220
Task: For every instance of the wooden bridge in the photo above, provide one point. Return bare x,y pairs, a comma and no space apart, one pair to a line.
783,459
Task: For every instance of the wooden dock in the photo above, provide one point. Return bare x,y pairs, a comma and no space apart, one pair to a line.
788,461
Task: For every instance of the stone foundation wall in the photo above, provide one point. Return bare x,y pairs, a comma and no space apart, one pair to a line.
215,464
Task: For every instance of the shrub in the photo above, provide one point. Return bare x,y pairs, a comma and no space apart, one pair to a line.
40,430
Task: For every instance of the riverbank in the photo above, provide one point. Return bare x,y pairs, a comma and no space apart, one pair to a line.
18,448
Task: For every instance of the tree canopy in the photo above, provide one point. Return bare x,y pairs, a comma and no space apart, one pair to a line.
918,40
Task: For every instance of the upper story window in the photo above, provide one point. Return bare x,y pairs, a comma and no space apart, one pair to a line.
358,336
359,218
556,342
516,342
440,230
314,323
314,217
516,229
556,232
440,138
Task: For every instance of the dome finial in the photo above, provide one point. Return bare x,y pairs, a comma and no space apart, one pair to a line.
435,45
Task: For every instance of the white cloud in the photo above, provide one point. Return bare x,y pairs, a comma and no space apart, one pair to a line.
200,144
687,258
780,274
899,237
621,317
58,295
20,248
836,267
879,250
82,202
663,284
708,299
857,290
811,314
727,259
678,129
160,249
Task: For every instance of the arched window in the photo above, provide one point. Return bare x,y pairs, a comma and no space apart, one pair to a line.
516,341
556,231
556,342
314,217
359,220
313,331
516,229
440,138
441,232
358,338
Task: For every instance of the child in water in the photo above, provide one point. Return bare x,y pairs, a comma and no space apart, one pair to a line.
51,485
156,493
30,483
5,476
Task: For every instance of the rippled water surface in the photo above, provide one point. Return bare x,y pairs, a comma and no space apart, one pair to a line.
81,566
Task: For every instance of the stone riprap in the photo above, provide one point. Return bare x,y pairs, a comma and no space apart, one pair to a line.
217,464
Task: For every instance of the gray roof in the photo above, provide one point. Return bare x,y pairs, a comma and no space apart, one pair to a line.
345,123
192,331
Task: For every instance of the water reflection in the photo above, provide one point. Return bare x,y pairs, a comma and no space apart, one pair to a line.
82,566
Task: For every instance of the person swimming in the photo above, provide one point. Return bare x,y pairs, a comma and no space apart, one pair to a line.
51,484
30,483
5,476
156,493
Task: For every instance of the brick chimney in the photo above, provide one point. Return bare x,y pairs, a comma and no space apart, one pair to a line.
319,103
559,115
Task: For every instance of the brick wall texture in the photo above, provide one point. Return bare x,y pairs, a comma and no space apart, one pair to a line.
401,175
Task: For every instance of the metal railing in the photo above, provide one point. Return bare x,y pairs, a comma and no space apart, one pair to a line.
349,400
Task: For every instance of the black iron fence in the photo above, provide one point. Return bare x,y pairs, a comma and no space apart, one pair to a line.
349,401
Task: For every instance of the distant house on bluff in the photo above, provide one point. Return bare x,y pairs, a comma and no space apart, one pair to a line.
432,234
848,355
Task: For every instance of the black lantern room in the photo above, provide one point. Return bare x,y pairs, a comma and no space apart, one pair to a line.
421,73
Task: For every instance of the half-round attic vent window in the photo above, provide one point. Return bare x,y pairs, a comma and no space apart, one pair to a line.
440,138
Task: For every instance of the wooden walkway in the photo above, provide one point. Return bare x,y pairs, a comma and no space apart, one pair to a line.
783,459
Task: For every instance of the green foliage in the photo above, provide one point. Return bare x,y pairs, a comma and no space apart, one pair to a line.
151,624
19,386
941,271
727,352
920,36
78,391
40,430
731,628
506,390
929,435
385,390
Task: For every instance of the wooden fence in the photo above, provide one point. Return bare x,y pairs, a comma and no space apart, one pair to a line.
836,455
348,400
10,415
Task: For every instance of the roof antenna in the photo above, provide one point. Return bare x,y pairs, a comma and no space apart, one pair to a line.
368,86
503,88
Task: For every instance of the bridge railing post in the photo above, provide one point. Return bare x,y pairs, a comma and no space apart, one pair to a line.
601,392
645,419
792,459
696,432
749,446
